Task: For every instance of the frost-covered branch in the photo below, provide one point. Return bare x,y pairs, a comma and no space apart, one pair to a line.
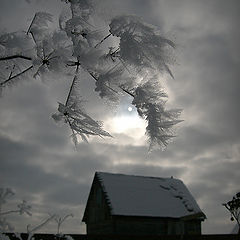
141,45
9,80
139,52
39,25
150,99
32,22
233,207
36,228
14,57
74,115
9,212
60,221
23,207
98,44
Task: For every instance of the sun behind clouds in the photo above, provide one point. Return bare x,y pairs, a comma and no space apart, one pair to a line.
126,122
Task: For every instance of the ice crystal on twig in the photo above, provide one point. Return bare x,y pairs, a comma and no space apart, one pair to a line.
127,60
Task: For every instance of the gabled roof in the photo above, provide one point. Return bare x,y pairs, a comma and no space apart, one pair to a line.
148,196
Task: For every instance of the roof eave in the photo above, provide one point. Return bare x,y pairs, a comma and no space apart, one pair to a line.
200,215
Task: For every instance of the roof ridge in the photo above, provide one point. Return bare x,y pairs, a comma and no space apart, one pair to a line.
132,175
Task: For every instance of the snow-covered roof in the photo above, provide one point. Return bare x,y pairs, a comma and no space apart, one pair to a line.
148,196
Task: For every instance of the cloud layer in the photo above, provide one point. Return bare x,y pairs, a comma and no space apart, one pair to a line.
38,159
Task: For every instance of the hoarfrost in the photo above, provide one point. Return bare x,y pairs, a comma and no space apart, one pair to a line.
130,65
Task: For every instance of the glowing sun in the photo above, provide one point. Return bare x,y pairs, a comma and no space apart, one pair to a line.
122,124
130,109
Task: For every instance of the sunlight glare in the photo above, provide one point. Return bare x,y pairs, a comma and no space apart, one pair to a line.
122,124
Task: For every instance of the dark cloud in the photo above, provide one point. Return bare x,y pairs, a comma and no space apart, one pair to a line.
68,193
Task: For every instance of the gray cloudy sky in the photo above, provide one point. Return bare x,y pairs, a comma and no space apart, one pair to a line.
38,160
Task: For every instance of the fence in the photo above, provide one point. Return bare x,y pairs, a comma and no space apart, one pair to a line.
132,237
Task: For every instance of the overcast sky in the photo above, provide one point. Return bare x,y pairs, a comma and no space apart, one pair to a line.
38,159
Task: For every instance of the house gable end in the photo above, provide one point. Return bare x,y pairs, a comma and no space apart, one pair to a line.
97,207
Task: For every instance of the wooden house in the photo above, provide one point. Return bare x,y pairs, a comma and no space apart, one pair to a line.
139,205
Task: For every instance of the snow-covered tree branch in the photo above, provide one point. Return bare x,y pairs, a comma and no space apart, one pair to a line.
22,208
117,69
